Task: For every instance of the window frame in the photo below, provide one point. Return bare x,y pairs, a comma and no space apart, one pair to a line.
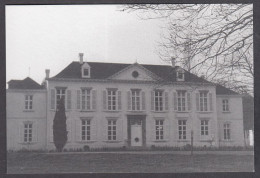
227,131
159,130
58,95
159,100
183,104
86,130
86,98
112,130
204,101
28,132
28,103
136,100
112,99
180,72
182,129
225,105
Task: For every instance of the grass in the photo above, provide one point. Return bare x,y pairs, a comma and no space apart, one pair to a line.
35,163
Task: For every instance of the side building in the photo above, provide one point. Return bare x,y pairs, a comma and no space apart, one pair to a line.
136,105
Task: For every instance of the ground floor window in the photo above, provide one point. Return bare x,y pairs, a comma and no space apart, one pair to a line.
111,129
182,129
159,129
85,130
27,132
204,127
227,131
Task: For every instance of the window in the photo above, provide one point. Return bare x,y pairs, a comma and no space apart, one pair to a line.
159,129
225,105
180,75
158,97
181,100
203,100
112,101
111,129
86,99
86,72
85,130
182,129
60,94
27,133
136,99
227,131
28,102
204,127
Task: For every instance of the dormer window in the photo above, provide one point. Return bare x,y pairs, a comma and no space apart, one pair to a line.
180,75
85,70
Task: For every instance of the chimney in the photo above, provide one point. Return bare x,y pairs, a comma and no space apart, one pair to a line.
47,72
81,58
173,61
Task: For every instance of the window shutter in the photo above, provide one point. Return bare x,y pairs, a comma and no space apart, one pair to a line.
119,104
78,130
104,100
189,100
152,100
105,129
94,99
197,101
68,99
119,130
129,101
166,103
210,102
143,100
69,130
21,132
166,128
175,101
35,132
52,98
93,129
51,132
152,130
78,99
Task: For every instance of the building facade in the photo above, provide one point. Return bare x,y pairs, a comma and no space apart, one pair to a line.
131,105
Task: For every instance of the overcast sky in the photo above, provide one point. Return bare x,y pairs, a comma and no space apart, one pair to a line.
50,37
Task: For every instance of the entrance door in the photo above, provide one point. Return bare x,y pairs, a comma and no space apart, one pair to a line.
136,135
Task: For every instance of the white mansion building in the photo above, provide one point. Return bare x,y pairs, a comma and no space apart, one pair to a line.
116,105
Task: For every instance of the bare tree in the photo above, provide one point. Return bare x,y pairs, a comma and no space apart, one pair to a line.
214,40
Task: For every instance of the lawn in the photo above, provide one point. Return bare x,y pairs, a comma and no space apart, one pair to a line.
18,163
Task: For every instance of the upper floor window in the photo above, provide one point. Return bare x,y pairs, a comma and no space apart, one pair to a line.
28,102
86,99
111,100
181,95
203,100
60,93
159,100
85,70
227,131
136,100
225,105
158,97
180,75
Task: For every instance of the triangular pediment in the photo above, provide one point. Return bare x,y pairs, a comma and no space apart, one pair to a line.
135,72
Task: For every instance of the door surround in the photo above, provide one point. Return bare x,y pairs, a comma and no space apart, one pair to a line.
136,118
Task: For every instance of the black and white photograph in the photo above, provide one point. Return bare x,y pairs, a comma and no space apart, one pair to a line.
129,88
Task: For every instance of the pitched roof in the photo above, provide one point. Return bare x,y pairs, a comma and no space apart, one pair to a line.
27,83
221,90
105,70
